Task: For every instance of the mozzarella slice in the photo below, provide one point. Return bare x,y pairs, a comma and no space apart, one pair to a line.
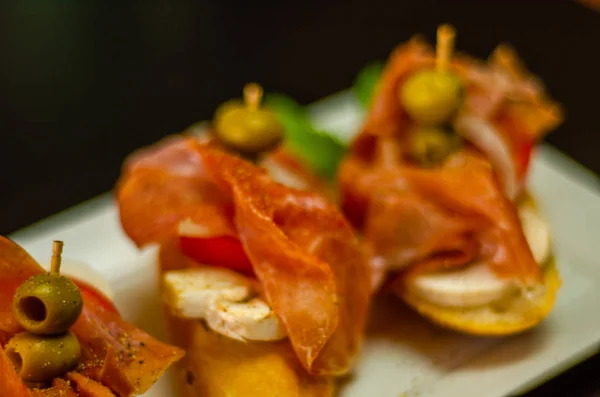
192,293
252,320
82,271
225,299
476,284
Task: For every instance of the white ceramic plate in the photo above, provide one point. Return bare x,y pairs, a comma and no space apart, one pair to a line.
403,355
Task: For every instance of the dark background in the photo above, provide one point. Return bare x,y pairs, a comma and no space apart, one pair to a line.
83,83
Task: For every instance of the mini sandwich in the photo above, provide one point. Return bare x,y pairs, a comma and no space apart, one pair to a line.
60,336
435,182
265,286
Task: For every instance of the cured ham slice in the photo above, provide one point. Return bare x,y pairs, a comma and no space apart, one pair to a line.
120,357
150,194
432,220
310,266
307,260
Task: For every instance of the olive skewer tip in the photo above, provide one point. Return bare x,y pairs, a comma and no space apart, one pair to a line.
253,95
445,46
57,247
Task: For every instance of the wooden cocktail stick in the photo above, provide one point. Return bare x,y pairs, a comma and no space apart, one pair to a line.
445,46
57,248
253,95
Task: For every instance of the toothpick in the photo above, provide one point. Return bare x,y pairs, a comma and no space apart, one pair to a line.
445,46
253,95
57,248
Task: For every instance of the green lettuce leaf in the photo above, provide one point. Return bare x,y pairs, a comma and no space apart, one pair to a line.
321,151
366,82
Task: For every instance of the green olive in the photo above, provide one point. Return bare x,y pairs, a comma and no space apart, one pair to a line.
246,127
431,146
248,130
42,358
226,107
47,304
431,97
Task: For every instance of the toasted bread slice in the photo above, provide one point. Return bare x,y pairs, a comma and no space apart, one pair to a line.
513,316
218,366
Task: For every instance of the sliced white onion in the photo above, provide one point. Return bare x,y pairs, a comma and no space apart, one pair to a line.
281,174
487,139
187,228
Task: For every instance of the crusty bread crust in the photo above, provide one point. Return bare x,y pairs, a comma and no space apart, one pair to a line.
218,366
516,316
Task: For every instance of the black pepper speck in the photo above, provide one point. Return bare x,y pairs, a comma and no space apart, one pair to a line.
190,378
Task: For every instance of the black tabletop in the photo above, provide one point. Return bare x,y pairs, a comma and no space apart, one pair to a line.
84,83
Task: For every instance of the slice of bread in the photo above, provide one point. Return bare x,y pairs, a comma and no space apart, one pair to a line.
516,315
218,366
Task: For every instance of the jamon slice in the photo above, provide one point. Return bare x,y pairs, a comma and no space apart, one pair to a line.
434,219
295,240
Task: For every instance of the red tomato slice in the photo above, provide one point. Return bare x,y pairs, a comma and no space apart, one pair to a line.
354,207
524,156
222,251
93,297
520,142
